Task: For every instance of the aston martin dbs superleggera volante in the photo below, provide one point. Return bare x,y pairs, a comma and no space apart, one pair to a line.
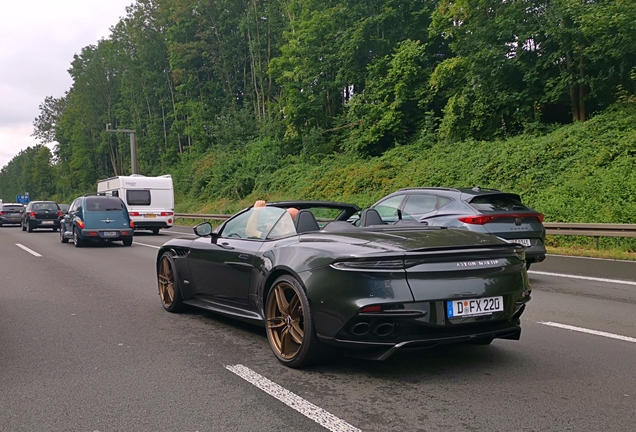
316,280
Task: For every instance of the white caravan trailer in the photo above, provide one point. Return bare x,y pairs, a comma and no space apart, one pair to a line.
150,200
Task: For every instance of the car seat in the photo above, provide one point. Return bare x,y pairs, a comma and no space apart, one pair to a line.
370,216
305,222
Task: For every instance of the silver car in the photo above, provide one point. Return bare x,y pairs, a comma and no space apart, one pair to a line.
11,213
477,209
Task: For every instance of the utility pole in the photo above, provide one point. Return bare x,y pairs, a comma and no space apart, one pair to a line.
133,146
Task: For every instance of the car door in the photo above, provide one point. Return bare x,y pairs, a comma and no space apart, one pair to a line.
67,220
222,270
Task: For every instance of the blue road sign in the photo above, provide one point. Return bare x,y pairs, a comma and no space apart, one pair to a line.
22,199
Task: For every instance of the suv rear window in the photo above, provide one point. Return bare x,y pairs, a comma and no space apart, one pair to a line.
12,208
138,197
95,204
497,202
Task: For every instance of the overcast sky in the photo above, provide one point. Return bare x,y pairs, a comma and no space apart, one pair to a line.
38,39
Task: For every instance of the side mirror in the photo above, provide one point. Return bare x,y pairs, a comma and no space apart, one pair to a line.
203,229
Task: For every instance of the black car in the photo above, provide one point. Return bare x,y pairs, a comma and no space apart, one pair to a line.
371,289
11,213
488,211
41,214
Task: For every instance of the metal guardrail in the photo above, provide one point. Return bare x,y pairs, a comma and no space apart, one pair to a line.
552,228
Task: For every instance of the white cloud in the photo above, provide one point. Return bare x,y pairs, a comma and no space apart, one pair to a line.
38,39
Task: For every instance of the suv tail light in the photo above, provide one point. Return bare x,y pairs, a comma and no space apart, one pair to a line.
80,223
132,224
481,220
133,213
167,213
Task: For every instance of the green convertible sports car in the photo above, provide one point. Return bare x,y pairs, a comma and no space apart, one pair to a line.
315,280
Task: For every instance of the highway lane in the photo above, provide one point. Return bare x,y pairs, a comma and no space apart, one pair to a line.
87,346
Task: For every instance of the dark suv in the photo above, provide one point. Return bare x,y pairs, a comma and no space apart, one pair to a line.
11,214
41,214
482,210
97,218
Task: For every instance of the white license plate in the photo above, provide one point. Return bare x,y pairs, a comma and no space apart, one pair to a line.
474,307
525,242
47,222
150,215
110,233
14,214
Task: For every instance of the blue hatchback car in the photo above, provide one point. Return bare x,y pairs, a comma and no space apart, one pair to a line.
97,218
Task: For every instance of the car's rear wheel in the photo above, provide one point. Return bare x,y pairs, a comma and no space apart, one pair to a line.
289,323
62,238
76,240
527,265
29,227
169,290
127,242
155,231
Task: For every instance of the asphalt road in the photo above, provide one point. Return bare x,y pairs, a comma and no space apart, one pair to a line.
86,346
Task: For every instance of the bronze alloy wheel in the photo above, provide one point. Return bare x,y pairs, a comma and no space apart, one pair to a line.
285,320
169,291
166,282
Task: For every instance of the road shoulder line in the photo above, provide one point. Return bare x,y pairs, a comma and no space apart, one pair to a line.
589,331
32,252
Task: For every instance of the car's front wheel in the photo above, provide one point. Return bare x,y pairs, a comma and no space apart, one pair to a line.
76,240
169,290
22,226
289,323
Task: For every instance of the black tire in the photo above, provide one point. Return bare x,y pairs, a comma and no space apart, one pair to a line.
29,227
155,231
22,226
289,324
54,229
528,265
62,238
127,242
76,240
168,284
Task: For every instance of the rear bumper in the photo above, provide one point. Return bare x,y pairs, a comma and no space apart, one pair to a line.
150,224
107,234
36,223
426,336
11,220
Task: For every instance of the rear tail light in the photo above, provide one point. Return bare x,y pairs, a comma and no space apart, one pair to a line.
382,265
133,213
4,212
132,224
476,220
80,223
481,220
32,214
59,214
92,233
372,308
169,220
167,213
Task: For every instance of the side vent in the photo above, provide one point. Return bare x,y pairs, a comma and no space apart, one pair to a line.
181,252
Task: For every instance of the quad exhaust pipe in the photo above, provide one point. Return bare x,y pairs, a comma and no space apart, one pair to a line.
381,329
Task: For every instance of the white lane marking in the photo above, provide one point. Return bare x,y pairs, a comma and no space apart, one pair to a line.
315,413
147,245
594,332
28,250
614,281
